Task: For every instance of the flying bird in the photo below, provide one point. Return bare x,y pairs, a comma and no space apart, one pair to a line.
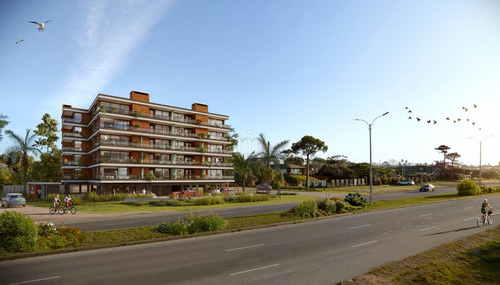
41,25
448,118
473,123
474,105
409,111
465,109
406,108
428,121
19,42
467,120
418,119
409,117
435,122
458,119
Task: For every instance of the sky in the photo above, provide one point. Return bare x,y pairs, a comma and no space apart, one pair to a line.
286,68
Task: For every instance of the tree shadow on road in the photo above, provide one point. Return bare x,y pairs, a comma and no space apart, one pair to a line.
452,231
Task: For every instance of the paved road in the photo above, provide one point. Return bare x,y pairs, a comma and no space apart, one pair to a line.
321,252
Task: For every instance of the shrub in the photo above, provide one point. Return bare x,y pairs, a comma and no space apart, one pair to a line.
468,187
157,203
340,206
17,232
327,206
193,224
336,198
354,199
209,200
306,209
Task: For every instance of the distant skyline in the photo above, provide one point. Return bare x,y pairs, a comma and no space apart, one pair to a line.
284,68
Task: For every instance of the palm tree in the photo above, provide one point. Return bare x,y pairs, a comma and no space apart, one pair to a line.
242,166
23,147
270,154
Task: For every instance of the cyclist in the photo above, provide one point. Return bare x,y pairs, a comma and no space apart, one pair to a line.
68,200
484,211
57,201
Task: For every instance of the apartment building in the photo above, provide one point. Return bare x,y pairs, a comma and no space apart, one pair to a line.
125,145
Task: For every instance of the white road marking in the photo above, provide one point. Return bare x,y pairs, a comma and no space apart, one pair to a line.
426,229
244,247
468,208
366,243
255,269
424,215
367,225
124,223
36,280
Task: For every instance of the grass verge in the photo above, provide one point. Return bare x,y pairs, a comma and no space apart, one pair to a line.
187,205
470,260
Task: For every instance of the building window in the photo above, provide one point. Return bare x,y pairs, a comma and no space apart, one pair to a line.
77,117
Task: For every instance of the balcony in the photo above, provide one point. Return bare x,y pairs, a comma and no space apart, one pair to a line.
76,135
72,121
163,177
138,114
71,148
161,162
72,163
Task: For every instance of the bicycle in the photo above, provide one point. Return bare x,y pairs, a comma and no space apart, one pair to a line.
57,209
71,209
489,219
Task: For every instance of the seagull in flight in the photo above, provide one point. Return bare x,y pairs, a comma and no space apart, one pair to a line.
19,42
41,25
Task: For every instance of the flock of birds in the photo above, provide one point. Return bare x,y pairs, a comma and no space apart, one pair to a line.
455,120
41,27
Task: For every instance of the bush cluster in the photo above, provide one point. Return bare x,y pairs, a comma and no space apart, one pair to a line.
327,206
50,237
355,199
468,187
17,232
91,197
247,198
306,209
208,200
193,224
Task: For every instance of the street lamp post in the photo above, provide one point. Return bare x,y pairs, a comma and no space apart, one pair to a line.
371,165
480,155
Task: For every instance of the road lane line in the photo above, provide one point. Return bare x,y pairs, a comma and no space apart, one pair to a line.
124,223
36,280
255,269
424,215
366,243
357,227
426,229
468,208
244,247
470,219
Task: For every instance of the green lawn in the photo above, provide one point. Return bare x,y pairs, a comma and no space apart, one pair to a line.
118,207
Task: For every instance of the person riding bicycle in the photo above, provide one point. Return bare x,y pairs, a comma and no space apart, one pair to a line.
484,210
57,201
68,201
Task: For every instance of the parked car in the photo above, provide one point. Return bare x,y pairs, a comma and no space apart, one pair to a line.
406,182
264,187
13,199
427,188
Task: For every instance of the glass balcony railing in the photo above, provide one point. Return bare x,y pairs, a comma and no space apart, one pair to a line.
161,162
76,135
71,148
164,177
161,146
137,114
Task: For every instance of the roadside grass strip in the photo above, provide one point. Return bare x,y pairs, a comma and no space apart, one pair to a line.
471,260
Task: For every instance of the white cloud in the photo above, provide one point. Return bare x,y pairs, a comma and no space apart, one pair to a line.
110,30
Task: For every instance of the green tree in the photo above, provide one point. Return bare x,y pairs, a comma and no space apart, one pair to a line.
48,169
242,167
24,146
3,123
233,138
444,150
47,132
270,153
308,146
452,157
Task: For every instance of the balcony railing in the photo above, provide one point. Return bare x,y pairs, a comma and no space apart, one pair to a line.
160,162
161,132
72,163
71,120
161,146
71,148
67,134
138,114
164,177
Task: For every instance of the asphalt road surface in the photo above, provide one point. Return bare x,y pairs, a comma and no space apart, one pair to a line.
106,222
319,252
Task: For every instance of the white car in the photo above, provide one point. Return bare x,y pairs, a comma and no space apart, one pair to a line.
406,182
